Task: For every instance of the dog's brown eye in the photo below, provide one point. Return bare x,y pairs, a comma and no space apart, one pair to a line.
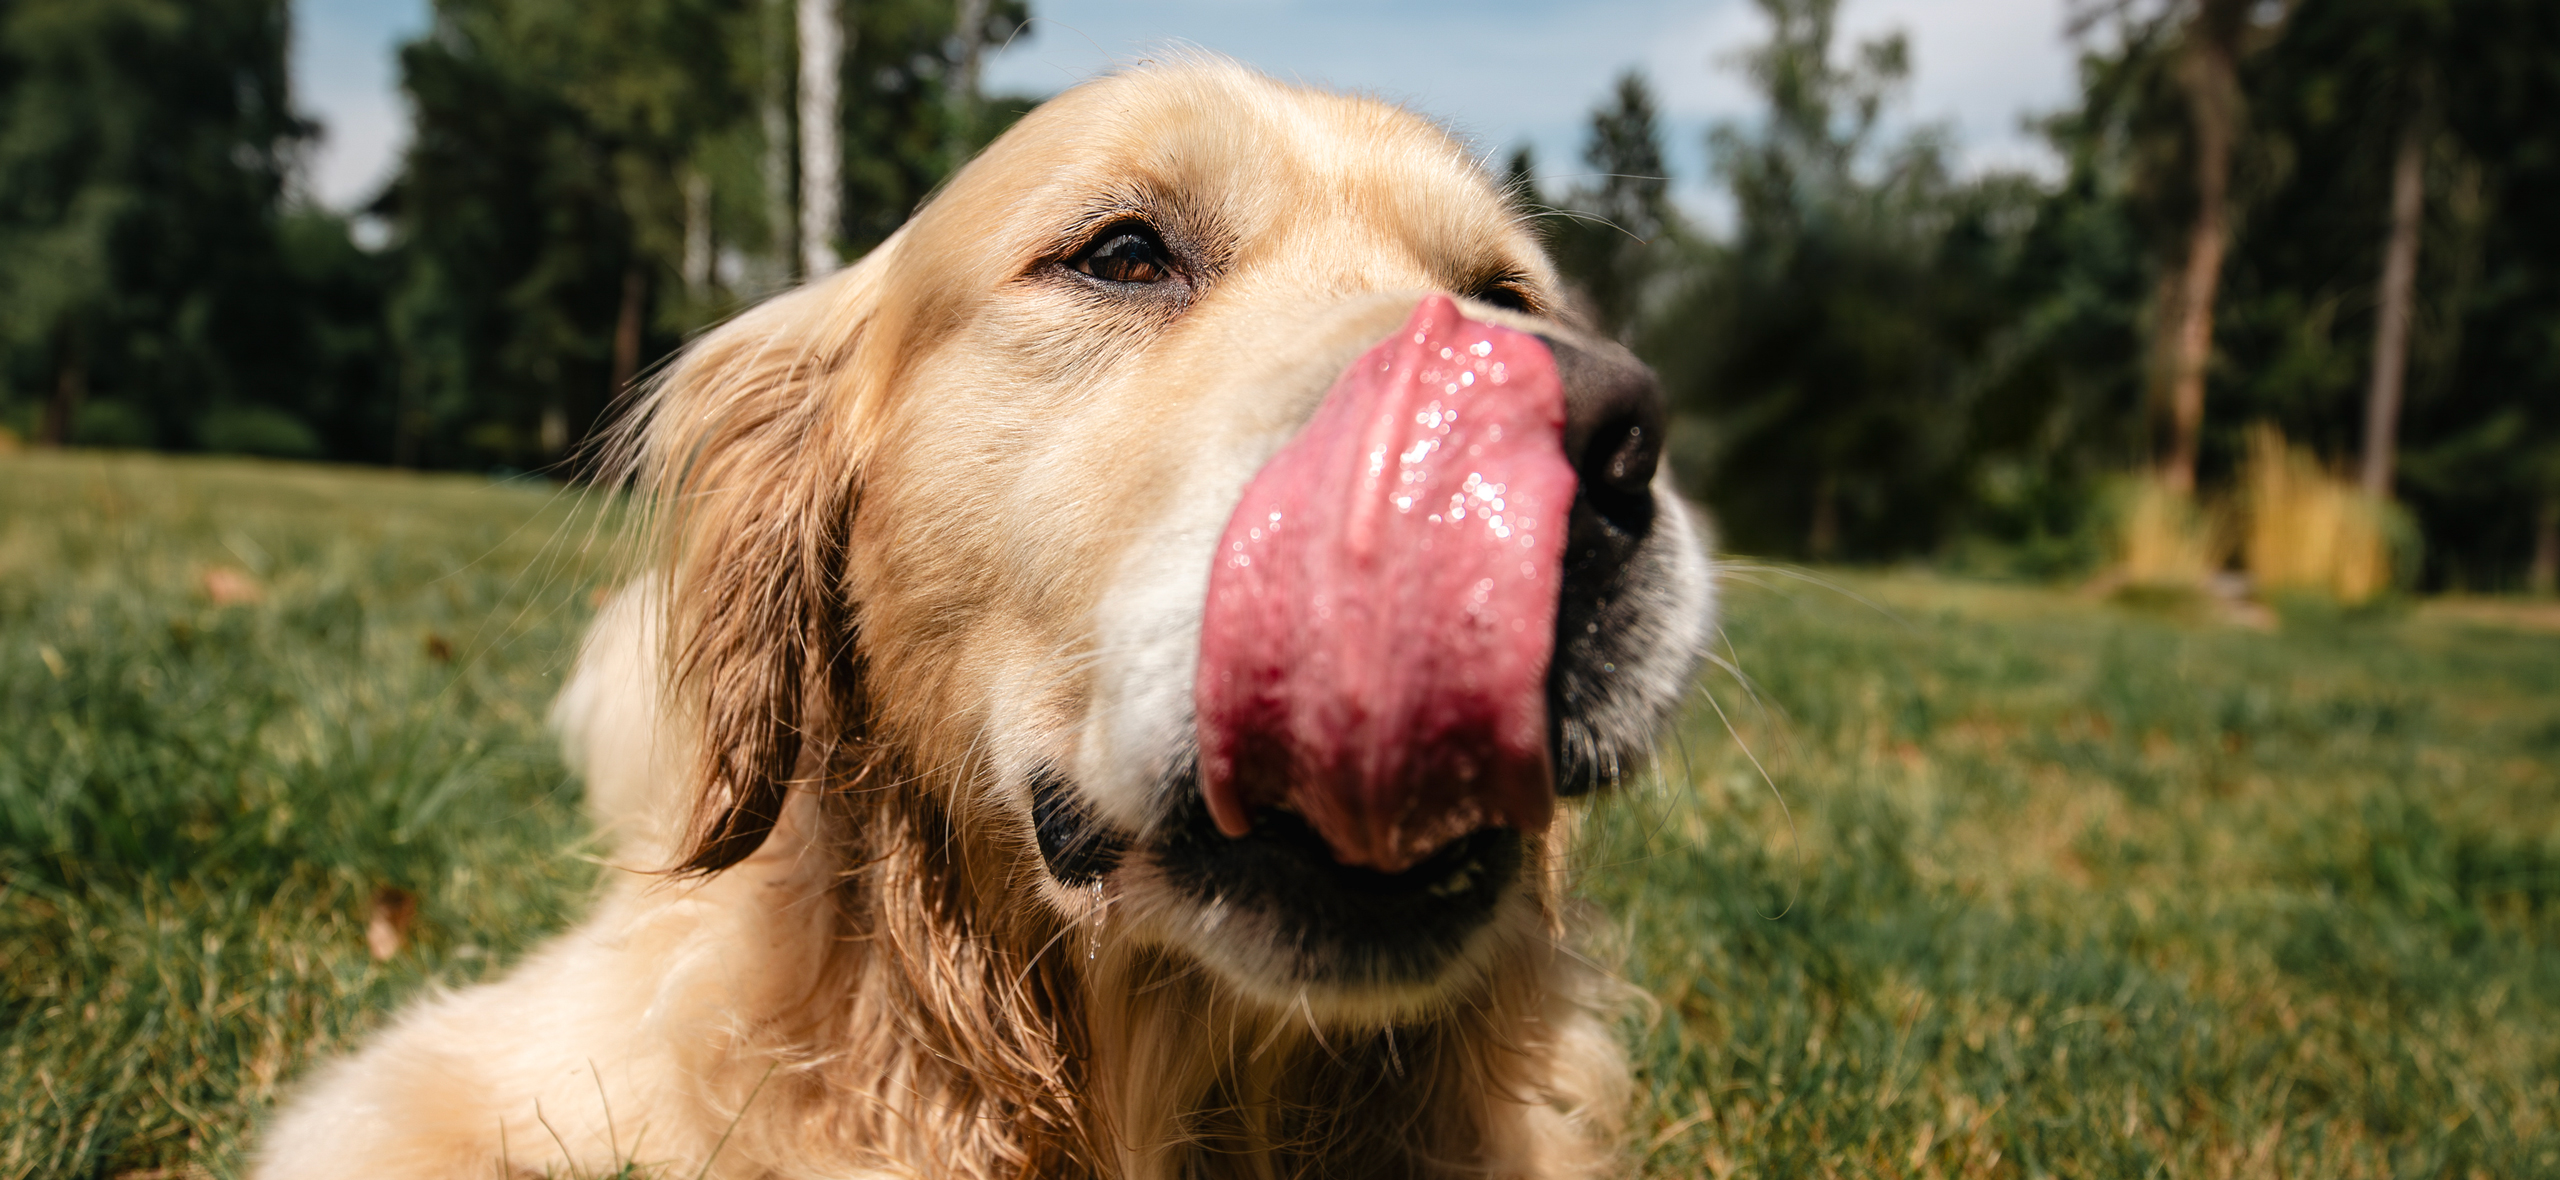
1125,254
1503,294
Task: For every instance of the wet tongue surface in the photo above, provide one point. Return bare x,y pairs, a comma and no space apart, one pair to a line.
1380,618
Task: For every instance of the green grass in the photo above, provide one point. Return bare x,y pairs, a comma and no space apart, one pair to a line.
198,801
2059,889
2040,887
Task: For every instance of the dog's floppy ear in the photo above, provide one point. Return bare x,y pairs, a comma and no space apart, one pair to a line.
749,452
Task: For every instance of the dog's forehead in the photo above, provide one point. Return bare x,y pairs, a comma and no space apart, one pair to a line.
1263,159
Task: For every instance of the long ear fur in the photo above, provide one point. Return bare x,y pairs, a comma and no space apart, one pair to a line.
748,454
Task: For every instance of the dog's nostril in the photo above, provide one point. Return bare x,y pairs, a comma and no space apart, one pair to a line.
1613,425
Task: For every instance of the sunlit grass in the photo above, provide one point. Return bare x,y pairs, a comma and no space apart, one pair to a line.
2058,889
2040,886
236,700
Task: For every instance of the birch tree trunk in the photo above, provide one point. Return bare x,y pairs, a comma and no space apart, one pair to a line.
775,114
971,23
2391,318
821,24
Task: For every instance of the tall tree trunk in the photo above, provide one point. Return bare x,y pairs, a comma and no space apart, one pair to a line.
2210,74
553,431
775,114
1822,539
407,423
2544,575
70,386
626,329
821,155
698,246
969,21
2391,319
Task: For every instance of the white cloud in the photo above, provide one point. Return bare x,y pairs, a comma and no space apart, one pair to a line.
346,75
1983,66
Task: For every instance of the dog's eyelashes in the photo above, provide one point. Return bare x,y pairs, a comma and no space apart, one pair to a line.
1128,252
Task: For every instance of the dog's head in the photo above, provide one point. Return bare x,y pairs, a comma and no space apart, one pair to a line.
1207,497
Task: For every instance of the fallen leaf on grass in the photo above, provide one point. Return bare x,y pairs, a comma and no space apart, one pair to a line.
231,587
388,929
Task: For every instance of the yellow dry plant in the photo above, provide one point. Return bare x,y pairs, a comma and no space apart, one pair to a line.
2164,540
2308,529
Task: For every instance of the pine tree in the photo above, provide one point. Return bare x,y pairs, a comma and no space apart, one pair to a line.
1611,240
145,150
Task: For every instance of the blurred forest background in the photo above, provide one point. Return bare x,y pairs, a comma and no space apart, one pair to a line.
2301,252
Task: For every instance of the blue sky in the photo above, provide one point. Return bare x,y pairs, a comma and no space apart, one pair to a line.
1501,71
345,75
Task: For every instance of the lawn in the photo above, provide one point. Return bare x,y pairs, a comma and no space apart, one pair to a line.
2032,885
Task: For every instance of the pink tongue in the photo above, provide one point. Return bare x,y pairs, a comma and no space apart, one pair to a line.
1374,650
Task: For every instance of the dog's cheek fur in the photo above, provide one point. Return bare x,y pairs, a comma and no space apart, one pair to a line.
749,457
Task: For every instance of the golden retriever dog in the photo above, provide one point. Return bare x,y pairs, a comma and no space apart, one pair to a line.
1102,698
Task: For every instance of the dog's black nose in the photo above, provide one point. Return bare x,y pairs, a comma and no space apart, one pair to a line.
1613,423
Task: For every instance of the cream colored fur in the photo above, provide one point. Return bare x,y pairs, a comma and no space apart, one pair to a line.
898,508
683,1012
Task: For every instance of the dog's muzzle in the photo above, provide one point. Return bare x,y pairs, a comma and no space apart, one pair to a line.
1384,606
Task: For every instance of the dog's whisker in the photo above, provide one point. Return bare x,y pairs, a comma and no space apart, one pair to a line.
1794,839
1731,567
1772,712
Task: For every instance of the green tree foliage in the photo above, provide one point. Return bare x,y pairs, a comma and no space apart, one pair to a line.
2330,103
543,214
1617,235
1832,352
537,186
902,133
1882,359
156,294
2481,437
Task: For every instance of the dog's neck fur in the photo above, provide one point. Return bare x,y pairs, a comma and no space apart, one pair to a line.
943,1032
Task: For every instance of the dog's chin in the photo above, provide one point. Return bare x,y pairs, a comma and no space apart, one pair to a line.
1276,912
1278,918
